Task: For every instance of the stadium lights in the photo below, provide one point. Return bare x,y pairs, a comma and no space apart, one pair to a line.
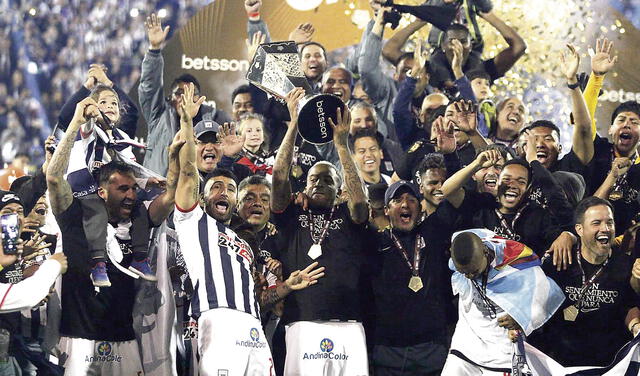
162,13
134,12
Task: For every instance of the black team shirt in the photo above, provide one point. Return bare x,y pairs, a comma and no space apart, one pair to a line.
106,315
599,330
336,296
403,317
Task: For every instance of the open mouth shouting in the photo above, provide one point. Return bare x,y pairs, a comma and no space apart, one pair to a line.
221,207
405,217
514,119
490,183
511,196
626,139
603,238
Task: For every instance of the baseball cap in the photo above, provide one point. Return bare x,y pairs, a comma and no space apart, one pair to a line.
400,187
7,197
204,126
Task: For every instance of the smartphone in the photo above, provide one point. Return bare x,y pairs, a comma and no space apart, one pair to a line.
10,227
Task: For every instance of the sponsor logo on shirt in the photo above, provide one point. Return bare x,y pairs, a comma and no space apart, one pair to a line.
326,352
593,298
103,353
238,246
254,341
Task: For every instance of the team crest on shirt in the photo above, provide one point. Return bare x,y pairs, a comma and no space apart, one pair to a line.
103,353
254,334
239,246
327,347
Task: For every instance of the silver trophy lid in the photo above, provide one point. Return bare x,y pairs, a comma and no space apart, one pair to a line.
276,69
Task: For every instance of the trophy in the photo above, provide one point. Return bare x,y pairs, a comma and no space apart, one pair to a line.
276,70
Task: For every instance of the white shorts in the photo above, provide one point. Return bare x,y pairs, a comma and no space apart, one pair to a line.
81,356
456,366
232,343
326,348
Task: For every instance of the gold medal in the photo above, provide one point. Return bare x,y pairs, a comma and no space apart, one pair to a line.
615,195
296,171
570,313
415,283
315,251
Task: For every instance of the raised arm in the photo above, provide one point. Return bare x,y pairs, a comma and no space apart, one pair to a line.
60,193
619,167
255,23
602,62
163,205
358,206
392,50
281,193
452,188
374,81
150,92
582,137
467,119
516,45
187,191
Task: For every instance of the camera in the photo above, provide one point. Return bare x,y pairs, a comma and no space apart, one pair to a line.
393,18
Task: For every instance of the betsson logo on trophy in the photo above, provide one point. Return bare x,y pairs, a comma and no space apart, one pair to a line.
205,63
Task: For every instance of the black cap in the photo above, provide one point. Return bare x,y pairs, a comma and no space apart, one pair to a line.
400,187
204,126
8,197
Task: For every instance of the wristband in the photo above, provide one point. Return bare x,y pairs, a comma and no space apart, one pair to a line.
253,14
573,86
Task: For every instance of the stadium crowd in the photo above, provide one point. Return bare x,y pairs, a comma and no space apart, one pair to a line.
438,232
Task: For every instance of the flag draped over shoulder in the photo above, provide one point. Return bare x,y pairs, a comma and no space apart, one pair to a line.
516,283
626,362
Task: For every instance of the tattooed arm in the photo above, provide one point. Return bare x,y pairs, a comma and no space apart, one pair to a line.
298,280
60,192
281,193
186,195
358,206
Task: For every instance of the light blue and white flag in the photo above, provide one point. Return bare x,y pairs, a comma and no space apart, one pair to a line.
516,282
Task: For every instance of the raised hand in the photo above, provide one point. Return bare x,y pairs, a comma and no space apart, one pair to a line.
602,61
293,99
456,61
252,46
177,144
155,33
445,138
302,33
466,116
341,129
189,106
230,142
301,279
488,158
252,7
529,146
86,109
570,60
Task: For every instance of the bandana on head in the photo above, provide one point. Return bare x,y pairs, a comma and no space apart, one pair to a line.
8,197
